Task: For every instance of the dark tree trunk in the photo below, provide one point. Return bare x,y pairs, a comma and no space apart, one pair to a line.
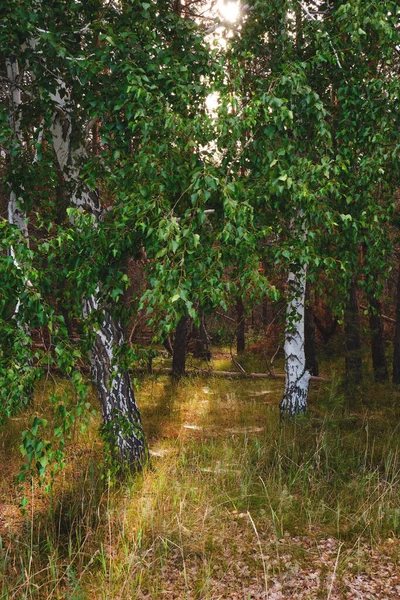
168,346
327,331
240,329
265,304
264,309
352,337
396,355
377,342
309,333
298,11
180,345
120,413
202,346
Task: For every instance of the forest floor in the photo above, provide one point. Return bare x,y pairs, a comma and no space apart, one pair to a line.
235,505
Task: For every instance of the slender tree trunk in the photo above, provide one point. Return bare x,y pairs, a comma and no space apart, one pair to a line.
180,346
240,329
309,333
377,341
265,304
352,335
264,312
297,379
119,409
396,354
327,331
168,346
17,217
205,338
202,349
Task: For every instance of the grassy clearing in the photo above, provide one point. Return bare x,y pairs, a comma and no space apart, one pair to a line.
234,503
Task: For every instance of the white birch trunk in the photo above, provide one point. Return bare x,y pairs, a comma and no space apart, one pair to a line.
119,409
294,400
17,217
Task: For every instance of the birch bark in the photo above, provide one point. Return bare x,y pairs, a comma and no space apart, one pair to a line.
16,215
294,400
119,409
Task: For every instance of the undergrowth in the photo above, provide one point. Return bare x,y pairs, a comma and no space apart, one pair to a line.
228,490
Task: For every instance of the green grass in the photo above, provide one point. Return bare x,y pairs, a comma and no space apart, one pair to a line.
229,491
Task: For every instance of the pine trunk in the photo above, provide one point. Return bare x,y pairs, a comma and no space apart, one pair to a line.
168,346
297,379
264,312
202,348
377,340
396,354
352,335
180,347
240,329
309,334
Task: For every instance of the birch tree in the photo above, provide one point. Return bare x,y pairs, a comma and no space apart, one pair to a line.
305,151
16,353
124,71
119,409
281,160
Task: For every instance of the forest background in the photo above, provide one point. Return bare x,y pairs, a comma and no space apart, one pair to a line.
168,174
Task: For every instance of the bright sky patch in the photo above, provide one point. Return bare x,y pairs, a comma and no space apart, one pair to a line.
229,11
